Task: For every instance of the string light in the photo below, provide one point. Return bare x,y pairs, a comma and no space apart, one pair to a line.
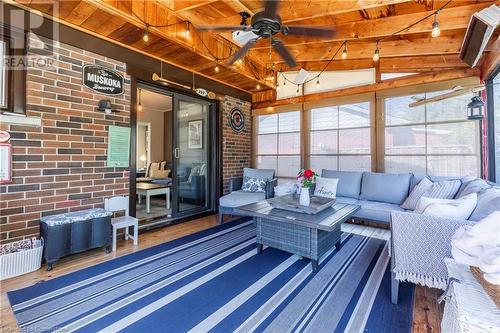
297,91
216,69
258,87
187,29
317,82
145,36
435,27
376,54
344,52
139,106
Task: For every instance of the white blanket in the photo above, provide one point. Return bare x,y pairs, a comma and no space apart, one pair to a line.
479,245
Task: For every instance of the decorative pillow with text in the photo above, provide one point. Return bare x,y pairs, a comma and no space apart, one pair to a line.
326,187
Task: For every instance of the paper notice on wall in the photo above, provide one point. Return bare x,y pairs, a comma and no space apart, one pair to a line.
118,146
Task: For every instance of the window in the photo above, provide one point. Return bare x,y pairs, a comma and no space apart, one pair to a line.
434,138
12,81
3,75
328,81
278,143
340,138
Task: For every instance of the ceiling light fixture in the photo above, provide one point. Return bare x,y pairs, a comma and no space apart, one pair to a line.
376,54
344,52
435,27
297,91
216,69
145,36
187,29
258,87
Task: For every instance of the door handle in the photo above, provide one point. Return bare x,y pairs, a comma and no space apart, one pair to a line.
176,153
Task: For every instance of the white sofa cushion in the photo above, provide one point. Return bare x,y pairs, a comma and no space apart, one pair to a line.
240,198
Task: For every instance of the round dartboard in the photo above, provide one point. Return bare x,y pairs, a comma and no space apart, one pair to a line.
237,120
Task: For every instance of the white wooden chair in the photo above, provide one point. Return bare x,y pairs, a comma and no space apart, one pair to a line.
118,204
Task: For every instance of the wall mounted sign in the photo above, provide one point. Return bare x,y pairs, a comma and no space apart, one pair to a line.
102,80
237,120
118,146
4,136
5,162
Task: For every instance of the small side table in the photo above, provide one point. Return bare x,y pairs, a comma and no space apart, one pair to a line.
468,308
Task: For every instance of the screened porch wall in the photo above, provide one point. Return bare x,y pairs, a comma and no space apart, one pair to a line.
373,132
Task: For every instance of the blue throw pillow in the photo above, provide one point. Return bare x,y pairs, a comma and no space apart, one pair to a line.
254,185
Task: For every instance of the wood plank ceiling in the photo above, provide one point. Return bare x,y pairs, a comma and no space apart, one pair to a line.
360,22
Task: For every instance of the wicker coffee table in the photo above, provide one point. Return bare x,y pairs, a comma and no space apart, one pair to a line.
306,235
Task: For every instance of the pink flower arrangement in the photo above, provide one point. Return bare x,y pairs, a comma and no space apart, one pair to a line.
306,177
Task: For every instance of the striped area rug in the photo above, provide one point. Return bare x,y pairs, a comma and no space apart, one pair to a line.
214,281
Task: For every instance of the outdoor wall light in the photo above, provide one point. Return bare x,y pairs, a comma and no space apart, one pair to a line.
475,108
105,105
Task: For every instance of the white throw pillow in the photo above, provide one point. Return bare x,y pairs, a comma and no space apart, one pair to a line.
326,187
459,209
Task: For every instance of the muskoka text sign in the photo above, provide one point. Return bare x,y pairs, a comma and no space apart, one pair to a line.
102,80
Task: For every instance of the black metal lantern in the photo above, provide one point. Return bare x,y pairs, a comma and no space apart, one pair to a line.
105,105
475,108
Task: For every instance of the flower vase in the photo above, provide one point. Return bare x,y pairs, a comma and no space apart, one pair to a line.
304,199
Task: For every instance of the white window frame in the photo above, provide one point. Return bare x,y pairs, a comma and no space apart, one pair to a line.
426,123
338,130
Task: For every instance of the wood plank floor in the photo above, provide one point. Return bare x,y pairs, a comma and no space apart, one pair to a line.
426,316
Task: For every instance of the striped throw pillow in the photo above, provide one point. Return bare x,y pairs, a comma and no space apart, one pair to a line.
420,190
446,189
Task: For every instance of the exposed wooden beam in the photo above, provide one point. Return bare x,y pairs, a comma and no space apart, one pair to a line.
291,11
449,19
491,60
400,47
191,43
386,84
182,6
413,64
239,7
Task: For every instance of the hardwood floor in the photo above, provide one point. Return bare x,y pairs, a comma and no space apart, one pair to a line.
426,316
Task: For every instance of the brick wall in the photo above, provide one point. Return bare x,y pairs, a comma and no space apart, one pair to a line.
237,147
61,166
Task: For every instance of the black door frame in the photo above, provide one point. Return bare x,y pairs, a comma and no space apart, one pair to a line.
490,107
211,181
143,80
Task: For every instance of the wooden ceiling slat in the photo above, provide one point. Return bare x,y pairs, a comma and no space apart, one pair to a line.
449,19
407,46
362,22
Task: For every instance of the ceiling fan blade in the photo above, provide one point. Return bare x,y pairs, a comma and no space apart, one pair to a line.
225,28
309,31
284,53
271,7
242,51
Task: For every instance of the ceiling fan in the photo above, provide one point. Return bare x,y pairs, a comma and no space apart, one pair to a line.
266,24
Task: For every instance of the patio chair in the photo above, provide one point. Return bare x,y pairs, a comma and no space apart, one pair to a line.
119,204
237,197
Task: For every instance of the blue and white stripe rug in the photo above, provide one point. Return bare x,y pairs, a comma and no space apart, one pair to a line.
214,281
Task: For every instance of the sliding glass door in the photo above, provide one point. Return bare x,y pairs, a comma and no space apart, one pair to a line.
193,142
